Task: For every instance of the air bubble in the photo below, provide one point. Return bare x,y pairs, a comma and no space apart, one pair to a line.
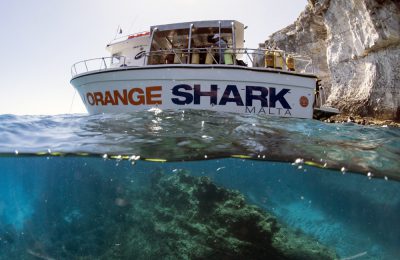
299,161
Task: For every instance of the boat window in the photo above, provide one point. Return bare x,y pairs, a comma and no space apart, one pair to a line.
203,37
115,59
204,49
172,46
166,43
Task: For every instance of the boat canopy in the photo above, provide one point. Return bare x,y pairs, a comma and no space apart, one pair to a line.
191,37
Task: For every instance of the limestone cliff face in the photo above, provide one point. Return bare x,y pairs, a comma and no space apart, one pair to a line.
355,48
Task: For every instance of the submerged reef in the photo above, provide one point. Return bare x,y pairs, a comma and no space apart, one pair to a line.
185,217
153,216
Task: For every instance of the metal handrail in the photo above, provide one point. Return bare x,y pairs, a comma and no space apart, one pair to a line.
305,60
304,63
97,64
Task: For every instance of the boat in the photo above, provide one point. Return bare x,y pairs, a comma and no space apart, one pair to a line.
197,65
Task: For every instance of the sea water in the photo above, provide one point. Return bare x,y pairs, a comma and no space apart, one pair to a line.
197,185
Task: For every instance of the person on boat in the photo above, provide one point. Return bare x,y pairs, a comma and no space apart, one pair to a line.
219,43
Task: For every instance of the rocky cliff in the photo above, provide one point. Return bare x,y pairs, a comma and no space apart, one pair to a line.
355,48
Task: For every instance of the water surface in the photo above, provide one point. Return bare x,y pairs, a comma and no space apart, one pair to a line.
196,184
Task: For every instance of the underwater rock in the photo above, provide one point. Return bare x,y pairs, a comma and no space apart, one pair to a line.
362,120
153,216
185,217
354,46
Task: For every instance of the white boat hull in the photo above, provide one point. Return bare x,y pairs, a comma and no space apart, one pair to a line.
218,87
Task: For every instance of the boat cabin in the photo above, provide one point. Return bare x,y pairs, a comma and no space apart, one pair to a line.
129,50
180,43
195,42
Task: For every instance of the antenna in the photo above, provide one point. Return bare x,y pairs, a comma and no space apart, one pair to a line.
72,102
133,22
119,31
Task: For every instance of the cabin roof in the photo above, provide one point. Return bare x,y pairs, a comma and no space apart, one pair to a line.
198,24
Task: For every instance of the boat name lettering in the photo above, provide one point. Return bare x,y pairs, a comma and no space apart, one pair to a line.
266,96
134,96
268,111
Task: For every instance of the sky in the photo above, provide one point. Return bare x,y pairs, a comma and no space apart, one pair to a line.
41,39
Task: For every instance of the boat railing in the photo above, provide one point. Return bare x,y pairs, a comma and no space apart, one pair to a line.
300,63
230,56
240,56
97,64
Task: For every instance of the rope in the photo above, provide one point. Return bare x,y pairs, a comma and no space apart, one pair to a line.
72,102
